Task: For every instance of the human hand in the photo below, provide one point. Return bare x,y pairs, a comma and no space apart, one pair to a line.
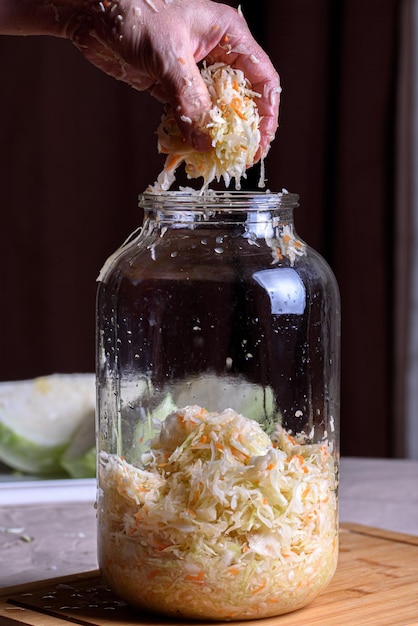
155,45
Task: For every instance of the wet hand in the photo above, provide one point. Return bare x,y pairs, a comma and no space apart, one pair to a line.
155,46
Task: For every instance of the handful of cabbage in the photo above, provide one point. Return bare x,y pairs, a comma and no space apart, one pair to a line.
47,425
233,127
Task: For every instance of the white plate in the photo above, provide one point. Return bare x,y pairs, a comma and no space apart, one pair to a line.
18,492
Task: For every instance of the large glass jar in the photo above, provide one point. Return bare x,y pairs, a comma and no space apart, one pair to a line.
218,334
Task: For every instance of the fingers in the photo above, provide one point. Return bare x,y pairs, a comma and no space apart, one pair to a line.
184,89
268,107
214,32
238,48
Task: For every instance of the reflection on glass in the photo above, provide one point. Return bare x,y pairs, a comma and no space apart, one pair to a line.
285,289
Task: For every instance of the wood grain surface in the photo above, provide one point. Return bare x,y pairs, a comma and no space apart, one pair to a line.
376,584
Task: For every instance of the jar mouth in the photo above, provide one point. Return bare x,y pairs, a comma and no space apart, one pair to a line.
191,200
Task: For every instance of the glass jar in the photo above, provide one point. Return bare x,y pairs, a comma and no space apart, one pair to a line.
218,335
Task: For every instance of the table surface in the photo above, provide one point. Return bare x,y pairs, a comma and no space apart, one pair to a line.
49,530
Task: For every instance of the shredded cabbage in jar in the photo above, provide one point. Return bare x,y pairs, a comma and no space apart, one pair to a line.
221,522
233,127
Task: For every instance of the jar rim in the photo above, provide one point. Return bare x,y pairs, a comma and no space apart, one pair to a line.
191,200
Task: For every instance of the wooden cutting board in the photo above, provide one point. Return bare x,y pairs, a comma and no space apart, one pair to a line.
376,584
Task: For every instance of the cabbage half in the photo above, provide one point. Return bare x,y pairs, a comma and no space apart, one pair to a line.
47,425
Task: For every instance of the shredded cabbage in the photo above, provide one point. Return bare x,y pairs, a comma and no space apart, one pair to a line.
233,127
221,521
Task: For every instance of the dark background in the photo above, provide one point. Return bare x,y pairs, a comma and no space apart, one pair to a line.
76,148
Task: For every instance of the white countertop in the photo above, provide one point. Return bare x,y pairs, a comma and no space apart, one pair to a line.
48,528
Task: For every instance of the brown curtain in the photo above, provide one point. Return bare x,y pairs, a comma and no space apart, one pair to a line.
76,147
339,67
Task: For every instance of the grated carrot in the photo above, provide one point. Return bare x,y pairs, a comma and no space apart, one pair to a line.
260,588
235,107
195,577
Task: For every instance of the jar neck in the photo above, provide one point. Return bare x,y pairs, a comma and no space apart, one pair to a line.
187,209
